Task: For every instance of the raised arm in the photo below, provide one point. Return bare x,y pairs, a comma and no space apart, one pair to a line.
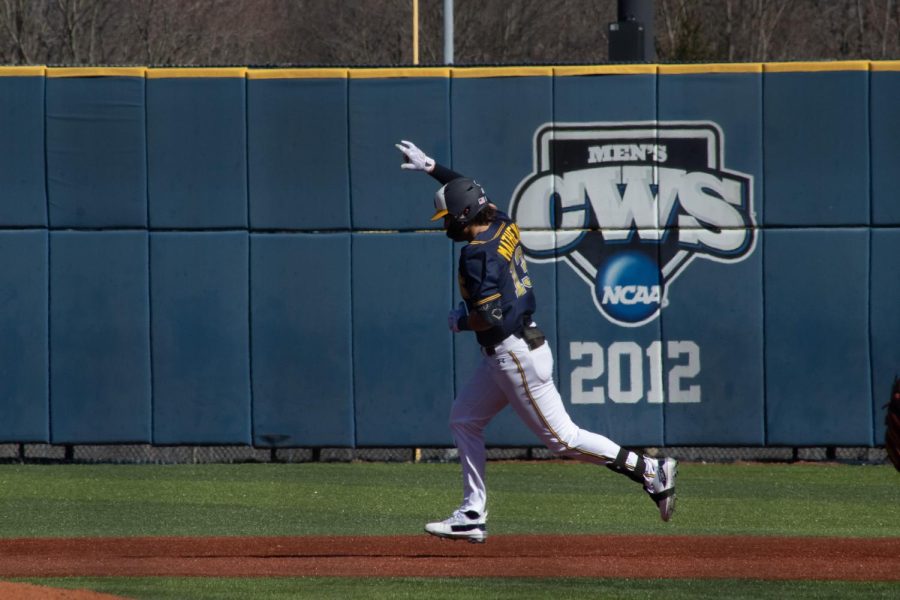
416,160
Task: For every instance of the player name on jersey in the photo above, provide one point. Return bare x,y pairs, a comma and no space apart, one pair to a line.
509,239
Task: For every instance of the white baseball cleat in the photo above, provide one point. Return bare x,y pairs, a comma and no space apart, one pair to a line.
662,487
461,525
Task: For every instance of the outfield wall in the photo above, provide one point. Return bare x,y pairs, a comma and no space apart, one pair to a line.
232,256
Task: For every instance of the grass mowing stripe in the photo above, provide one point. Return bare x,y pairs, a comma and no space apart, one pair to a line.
397,499
187,588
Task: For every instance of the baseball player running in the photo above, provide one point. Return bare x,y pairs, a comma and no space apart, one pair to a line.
517,365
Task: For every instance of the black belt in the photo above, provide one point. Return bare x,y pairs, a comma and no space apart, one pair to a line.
533,336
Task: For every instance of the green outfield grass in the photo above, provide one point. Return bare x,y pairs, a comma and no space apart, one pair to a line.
327,588
397,499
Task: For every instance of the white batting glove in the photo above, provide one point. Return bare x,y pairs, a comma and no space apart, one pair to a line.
455,315
413,158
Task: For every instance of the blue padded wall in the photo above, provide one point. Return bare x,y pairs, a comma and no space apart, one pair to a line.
383,111
197,152
96,152
712,329
296,179
493,124
301,344
733,101
712,333
24,386
815,174
604,371
604,98
233,256
885,142
614,402
402,352
200,315
817,337
99,337
885,322
23,200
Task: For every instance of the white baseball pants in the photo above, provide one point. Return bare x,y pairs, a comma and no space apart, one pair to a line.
522,378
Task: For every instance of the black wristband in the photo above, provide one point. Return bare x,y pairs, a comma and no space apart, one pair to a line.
462,323
443,174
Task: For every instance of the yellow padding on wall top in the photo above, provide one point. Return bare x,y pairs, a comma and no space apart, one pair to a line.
23,71
886,65
29,71
808,67
187,72
642,69
461,72
472,72
96,71
394,72
297,74
710,68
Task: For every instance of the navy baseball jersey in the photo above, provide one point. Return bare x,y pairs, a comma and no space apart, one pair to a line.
492,268
516,368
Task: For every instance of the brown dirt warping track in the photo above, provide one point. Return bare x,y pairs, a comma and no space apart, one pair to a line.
417,556
24,591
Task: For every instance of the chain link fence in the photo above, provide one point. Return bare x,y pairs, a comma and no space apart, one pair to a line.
147,454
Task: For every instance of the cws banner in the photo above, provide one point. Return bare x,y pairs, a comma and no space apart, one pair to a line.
631,207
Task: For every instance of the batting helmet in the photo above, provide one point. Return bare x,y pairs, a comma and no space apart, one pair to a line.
462,199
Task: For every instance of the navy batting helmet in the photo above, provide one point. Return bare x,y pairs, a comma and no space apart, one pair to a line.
462,199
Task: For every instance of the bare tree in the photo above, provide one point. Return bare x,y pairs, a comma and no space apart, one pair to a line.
766,15
843,29
78,22
885,27
532,31
344,33
687,27
160,37
379,32
25,28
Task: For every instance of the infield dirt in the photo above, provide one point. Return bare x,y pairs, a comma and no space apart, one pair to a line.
26,591
851,559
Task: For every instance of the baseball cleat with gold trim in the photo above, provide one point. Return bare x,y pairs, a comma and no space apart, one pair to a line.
461,525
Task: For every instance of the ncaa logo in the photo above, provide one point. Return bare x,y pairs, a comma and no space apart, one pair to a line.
629,206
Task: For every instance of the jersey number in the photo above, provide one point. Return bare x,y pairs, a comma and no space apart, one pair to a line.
518,270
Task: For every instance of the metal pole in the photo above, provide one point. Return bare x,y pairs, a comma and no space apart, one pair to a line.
448,32
415,30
